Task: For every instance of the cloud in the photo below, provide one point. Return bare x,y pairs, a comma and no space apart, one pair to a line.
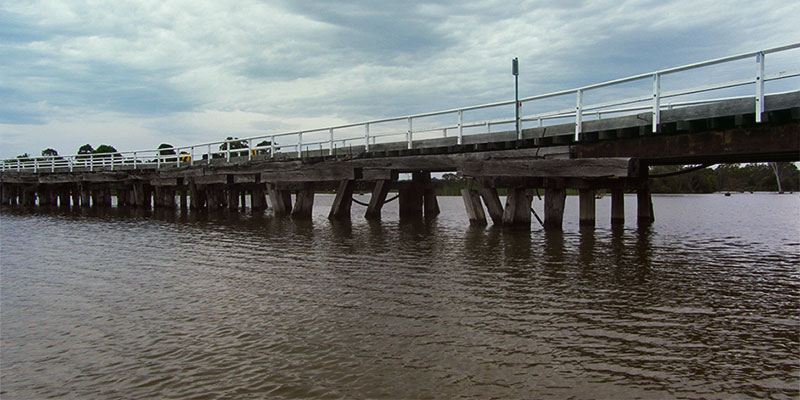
186,71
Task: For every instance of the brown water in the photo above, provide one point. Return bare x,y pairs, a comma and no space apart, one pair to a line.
119,304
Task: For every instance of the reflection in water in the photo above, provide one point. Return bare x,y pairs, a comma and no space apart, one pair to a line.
126,303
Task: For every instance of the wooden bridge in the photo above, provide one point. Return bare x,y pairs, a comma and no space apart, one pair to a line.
607,145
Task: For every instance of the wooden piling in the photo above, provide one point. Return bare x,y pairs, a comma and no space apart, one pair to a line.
304,202
472,203
281,200
554,198
377,199
43,194
493,204
644,209
85,194
257,200
5,194
184,205
587,207
518,208
617,206
76,195
233,197
410,202
28,197
340,209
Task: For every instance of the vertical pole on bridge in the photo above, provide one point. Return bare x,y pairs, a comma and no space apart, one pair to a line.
515,72
656,101
579,115
759,86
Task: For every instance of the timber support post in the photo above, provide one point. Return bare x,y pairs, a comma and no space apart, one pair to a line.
340,209
85,195
257,200
617,206
281,200
304,202
587,207
492,201
644,208
377,199
472,203
554,198
518,207
182,192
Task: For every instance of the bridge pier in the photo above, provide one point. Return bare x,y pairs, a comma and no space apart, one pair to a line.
617,206
644,209
554,199
492,200
517,211
280,199
28,196
76,195
43,193
183,201
472,202
587,207
304,202
378,198
257,200
340,209
85,194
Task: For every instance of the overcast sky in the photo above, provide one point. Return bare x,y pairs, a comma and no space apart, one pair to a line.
134,74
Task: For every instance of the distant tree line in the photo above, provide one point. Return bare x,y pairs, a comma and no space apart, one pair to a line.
728,178
723,178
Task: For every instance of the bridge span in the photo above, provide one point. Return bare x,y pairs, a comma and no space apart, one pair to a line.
607,145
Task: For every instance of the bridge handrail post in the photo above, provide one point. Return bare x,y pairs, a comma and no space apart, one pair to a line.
366,137
208,159
300,144
249,149
759,86
579,115
656,101
91,162
19,166
228,151
460,127
52,164
272,146
134,160
330,132
35,165
191,156
158,160
409,133
178,157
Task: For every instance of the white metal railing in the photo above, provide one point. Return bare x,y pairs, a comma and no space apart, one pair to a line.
406,129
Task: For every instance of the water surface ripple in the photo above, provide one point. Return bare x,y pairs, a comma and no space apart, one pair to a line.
124,304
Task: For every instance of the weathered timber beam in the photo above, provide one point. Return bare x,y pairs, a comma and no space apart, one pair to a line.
333,173
578,168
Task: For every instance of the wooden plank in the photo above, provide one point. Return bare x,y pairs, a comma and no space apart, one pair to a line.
210,179
312,174
377,174
164,181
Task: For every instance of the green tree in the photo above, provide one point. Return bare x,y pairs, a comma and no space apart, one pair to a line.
166,149
86,149
49,152
235,144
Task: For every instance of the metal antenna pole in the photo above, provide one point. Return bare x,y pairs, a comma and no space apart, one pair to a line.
515,71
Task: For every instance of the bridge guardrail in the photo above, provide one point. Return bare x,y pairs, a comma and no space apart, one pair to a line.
322,139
